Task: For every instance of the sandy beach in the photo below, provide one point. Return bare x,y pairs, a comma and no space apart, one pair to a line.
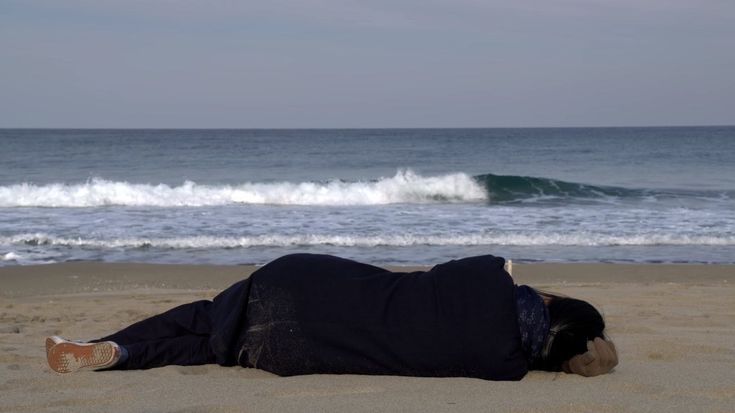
674,327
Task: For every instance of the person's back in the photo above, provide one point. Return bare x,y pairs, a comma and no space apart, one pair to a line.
323,314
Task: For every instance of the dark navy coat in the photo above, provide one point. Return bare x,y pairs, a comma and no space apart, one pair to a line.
306,314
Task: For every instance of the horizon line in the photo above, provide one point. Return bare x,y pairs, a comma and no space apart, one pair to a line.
364,128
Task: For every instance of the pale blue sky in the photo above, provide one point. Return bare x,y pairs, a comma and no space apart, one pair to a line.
383,63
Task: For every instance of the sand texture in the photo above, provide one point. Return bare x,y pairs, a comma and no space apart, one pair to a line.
674,326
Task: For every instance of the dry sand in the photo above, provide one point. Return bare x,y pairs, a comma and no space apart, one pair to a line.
674,326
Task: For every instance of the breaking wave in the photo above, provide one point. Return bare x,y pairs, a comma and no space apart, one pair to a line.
396,240
404,187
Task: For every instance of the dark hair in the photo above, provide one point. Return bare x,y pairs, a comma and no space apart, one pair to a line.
572,323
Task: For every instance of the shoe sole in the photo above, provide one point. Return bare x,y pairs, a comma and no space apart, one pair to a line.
52,341
68,357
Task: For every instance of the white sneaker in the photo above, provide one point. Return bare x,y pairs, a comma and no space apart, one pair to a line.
66,356
54,340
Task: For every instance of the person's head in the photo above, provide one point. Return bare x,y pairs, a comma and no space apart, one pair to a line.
572,323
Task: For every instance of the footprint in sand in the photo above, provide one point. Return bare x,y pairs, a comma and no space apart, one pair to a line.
10,329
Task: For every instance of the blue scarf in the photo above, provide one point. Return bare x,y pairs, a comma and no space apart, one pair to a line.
533,320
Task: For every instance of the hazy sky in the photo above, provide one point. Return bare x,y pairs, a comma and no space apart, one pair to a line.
379,63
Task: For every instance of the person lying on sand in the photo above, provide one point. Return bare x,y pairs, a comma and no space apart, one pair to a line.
308,314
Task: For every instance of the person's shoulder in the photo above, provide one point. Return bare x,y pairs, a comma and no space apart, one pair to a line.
485,268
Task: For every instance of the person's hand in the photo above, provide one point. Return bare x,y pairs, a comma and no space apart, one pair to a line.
600,358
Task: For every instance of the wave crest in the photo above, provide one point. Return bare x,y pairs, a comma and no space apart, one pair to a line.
405,187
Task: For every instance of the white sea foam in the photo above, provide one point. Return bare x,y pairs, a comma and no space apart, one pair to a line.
11,256
405,187
396,240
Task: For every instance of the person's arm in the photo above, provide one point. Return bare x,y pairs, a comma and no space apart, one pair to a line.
600,358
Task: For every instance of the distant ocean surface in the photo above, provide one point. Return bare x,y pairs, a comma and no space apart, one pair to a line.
385,196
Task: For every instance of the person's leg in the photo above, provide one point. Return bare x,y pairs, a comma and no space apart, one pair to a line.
178,336
184,320
69,356
187,350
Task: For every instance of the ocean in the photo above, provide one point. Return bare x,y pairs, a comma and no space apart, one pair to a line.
384,196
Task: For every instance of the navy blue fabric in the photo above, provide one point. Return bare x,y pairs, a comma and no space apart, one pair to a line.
179,336
306,314
322,314
228,315
533,322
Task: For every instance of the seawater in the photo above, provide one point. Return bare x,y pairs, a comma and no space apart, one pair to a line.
387,196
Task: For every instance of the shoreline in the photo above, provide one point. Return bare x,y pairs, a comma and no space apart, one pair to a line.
87,276
672,325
